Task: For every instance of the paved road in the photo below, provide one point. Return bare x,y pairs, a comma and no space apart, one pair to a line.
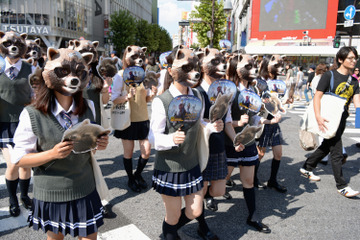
307,211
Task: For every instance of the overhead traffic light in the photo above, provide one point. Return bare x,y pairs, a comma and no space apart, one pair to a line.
336,43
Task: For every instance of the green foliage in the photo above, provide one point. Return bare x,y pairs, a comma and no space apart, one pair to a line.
204,12
195,45
128,31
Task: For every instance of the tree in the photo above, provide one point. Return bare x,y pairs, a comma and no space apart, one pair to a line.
212,18
123,30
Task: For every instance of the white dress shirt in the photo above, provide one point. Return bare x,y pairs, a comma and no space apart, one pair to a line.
24,138
157,138
17,66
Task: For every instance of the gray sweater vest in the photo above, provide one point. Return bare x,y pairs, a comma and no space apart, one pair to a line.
183,157
14,94
65,179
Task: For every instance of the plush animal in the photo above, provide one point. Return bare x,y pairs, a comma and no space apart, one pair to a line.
65,70
12,44
220,107
213,63
246,67
84,136
134,56
247,135
183,67
151,79
85,46
33,50
107,67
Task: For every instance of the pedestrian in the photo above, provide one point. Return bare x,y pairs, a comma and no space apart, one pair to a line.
346,59
308,84
15,93
356,74
247,159
138,130
152,65
65,198
299,83
290,86
177,174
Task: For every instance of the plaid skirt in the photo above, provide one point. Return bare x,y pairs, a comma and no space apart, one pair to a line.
248,157
216,168
177,184
80,217
7,131
136,131
271,136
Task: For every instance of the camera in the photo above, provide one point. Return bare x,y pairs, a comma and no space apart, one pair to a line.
306,32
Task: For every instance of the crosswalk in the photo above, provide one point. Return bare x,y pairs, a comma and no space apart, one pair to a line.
299,108
8,223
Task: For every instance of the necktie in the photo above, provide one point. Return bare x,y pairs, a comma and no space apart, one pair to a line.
67,119
12,73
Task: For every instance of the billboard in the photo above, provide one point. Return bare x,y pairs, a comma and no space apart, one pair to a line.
278,19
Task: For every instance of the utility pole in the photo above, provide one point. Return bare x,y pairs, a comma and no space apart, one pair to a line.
212,24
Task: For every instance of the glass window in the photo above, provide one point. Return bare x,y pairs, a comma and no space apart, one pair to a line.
21,18
31,16
13,18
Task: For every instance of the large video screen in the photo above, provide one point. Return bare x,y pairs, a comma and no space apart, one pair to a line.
277,19
279,15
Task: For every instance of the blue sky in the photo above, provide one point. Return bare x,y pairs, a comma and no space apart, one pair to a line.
170,13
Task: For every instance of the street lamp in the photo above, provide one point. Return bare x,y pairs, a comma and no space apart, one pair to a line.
227,9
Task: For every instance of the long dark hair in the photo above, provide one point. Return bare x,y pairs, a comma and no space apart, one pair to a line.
170,60
264,67
95,78
231,71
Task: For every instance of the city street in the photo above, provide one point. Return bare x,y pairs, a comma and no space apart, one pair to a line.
307,211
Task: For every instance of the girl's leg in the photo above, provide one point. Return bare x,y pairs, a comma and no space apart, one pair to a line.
261,154
128,153
12,180
275,164
54,236
145,149
172,215
92,236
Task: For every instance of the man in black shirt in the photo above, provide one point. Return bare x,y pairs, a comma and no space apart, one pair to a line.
346,59
308,82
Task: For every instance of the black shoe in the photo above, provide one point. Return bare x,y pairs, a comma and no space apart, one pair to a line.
27,202
14,210
259,226
134,186
211,204
357,145
107,212
207,236
140,181
227,195
324,162
259,184
277,187
230,183
345,156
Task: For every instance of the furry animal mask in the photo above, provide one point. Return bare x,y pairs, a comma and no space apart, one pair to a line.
85,46
213,63
33,49
66,70
107,67
246,68
183,68
276,64
12,44
134,56
84,136
151,79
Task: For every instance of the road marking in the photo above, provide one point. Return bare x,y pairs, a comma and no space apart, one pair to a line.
10,222
356,139
2,182
352,130
129,232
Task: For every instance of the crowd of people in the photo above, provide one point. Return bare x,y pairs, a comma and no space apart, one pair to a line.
66,200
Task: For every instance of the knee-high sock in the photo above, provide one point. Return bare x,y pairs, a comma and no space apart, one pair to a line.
183,219
12,187
275,164
169,231
24,187
141,165
202,223
128,167
255,173
249,195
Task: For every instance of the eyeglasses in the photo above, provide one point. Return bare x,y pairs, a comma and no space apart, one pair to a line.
356,70
352,58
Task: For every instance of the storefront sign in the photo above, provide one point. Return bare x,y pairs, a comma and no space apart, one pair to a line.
29,29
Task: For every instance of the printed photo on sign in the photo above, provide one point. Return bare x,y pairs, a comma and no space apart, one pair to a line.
163,60
249,100
272,103
184,111
134,75
246,136
261,85
277,86
2,64
225,44
221,87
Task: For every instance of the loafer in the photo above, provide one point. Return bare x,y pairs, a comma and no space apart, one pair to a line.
107,212
259,184
207,236
211,204
134,186
141,182
14,210
277,187
227,195
27,202
230,183
258,225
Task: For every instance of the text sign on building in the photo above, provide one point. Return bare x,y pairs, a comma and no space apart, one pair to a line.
348,23
349,12
28,29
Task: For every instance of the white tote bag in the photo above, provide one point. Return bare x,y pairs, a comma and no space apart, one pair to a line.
120,114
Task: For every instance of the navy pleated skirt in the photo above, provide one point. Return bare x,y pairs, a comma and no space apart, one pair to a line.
7,131
136,131
80,217
271,136
248,157
178,184
216,168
